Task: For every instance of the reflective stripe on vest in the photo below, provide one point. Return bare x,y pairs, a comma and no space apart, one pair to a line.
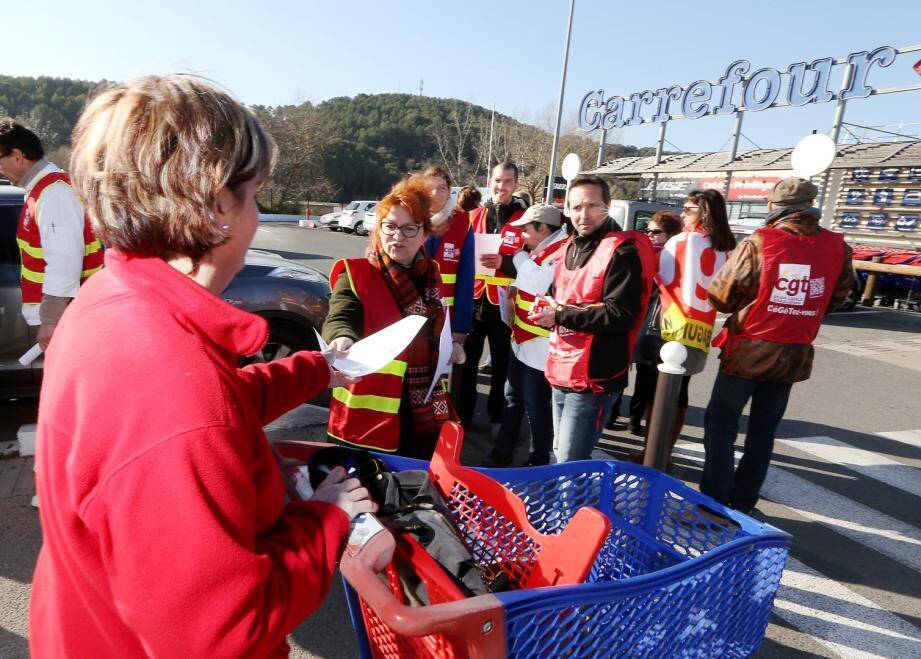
522,309
511,243
385,404
448,253
522,330
366,413
28,238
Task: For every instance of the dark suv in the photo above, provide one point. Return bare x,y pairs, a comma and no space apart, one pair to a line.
292,297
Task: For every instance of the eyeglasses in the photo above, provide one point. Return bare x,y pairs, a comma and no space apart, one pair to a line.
655,232
690,208
408,230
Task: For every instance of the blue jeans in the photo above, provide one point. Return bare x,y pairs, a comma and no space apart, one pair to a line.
578,420
721,426
526,391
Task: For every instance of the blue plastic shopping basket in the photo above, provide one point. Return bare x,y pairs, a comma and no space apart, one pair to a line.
679,575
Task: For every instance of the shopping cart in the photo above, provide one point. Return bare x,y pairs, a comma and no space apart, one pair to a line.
674,573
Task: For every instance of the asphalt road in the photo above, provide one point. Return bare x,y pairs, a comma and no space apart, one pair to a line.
844,482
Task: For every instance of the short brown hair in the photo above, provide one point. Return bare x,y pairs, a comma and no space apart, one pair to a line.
437,171
412,195
591,179
150,156
468,198
670,222
13,135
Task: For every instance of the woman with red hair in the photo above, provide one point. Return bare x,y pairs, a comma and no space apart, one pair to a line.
388,410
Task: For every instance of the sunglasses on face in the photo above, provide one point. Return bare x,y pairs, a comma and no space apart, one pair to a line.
688,209
655,232
409,230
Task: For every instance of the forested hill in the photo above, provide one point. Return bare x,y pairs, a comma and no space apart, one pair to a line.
49,106
343,148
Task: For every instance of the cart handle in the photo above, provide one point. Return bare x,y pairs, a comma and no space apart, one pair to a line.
477,621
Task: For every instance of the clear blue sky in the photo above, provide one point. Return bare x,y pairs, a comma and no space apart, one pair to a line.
486,52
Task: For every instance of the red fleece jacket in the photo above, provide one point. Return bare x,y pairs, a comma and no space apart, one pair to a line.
163,511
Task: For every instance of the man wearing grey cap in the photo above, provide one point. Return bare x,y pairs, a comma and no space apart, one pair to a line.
778,285
526,387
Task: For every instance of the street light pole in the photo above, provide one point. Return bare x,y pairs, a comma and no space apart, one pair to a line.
559,108
492,123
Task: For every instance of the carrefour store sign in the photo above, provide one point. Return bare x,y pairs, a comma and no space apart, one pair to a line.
737,89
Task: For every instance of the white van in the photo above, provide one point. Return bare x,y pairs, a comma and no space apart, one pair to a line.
357,217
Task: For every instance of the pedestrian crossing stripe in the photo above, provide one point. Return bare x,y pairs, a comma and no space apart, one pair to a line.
869,463
898,540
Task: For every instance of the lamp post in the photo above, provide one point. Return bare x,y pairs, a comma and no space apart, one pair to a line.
559,107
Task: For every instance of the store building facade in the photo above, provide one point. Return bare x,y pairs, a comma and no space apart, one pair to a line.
873,192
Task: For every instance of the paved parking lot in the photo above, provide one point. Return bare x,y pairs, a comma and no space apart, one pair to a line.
844,482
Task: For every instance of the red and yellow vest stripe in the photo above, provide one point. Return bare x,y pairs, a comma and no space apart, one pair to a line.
449,253
511,243
522,328
367,413
28,237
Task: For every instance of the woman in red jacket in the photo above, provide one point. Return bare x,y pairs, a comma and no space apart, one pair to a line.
164,515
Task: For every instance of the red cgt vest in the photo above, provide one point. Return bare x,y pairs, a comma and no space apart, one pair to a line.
449,254
568,358
29,240
798,277
367,413
522,329
511,243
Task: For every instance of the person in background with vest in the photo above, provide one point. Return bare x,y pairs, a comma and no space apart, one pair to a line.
662,226
687,264
58,250
601,288
495,217
167,526
527,389
778,285
388,410
450,244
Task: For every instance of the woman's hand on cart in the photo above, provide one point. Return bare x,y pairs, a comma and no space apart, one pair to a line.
346,493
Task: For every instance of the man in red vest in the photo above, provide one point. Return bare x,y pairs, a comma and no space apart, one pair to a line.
602,283
495,217
58,250
778,285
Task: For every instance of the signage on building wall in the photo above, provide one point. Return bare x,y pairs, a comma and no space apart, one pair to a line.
737,89
742,187
877,220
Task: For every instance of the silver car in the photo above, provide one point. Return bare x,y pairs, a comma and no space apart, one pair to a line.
294,299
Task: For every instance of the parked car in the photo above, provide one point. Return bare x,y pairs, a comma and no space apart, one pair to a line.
634,215
292,297
331,220
357,217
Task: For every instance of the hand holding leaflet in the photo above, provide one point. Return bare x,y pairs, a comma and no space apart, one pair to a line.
445,352
374,352
485,243
503,305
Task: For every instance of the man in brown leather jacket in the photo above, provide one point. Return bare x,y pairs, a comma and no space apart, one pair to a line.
777,287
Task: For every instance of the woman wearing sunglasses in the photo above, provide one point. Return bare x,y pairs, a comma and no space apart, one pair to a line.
388,410
687,263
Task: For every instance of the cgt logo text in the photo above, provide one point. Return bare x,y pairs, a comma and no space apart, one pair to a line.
793,283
